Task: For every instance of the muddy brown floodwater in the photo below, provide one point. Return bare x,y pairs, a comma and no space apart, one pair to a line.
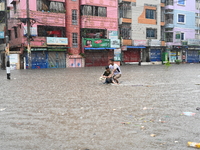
70,109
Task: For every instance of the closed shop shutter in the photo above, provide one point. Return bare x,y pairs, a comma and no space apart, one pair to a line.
39,60
96,58
155,55
131,55
192,57
57,59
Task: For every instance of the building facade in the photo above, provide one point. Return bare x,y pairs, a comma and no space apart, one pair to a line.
182,30
48,42
79,33
99,31
141,25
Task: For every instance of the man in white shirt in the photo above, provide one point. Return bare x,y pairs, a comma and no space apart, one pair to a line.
116,71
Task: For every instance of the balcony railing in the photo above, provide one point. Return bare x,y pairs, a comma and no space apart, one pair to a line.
127,42
169,2
169,39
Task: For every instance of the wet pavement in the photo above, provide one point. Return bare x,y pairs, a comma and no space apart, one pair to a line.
70,109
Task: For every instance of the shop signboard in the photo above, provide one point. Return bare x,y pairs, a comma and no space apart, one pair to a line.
14,60
96,43
194,42
1,35
2,6
114,43
117,54
124,48
113,34
140,42
154,43
57,41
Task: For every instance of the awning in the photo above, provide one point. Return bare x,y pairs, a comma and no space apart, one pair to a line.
136,47
91,48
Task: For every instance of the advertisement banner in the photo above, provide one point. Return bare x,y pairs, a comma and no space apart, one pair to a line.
193,42
57,41
96,43
124,48
1,35
114,43
154,43
117,54
140,42
113,34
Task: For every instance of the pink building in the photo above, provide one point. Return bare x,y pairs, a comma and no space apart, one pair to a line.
48,36
61,31
99,25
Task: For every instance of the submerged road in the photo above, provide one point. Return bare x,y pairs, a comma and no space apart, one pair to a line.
70,109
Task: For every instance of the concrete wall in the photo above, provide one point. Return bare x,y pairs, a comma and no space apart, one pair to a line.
110,22
140,23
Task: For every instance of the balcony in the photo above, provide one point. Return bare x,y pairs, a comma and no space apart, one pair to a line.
169,11
169,39
125,20
169,2
169,23
127,42
162,23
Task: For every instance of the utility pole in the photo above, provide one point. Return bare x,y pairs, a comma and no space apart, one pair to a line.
7,49
28,34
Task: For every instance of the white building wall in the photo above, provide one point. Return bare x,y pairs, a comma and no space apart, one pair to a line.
138,29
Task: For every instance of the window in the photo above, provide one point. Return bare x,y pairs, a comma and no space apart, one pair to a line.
150,14
15,32
181,2
50,31
182,36
74,17
181,18
125,10
94,11
46,5
169,2
74,39
125,31
93,33
151,33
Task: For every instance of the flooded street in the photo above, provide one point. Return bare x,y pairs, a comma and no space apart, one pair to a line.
70,109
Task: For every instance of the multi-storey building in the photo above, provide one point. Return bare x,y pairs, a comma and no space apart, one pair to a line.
141,25
182,30
48,42
99,26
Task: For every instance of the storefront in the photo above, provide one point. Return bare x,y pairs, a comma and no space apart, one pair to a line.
132,54
42,58
98,56
155,55
97,52
193,55
193,51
